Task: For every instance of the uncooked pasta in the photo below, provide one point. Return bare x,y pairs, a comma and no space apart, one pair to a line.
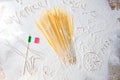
57,28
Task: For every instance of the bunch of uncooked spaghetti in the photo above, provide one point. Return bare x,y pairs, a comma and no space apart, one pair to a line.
57,28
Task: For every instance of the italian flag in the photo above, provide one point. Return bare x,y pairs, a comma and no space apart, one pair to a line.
36,39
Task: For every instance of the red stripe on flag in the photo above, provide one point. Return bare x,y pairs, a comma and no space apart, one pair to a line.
37,40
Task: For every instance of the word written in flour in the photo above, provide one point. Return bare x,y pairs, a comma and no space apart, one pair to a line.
33,58
91,13
75,4
18,16
106,45
92,61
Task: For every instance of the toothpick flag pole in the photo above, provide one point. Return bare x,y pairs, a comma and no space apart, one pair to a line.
26,55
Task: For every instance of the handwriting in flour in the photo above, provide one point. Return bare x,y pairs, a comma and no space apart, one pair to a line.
92,13
82,29
13,18
30,64
106,45
34,57
92,61
96,32
18,16
75,4
91,21
49,72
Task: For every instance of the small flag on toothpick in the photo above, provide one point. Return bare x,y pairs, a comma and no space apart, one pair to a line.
36,40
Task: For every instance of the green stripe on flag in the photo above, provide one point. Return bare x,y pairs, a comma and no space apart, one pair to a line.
29,39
